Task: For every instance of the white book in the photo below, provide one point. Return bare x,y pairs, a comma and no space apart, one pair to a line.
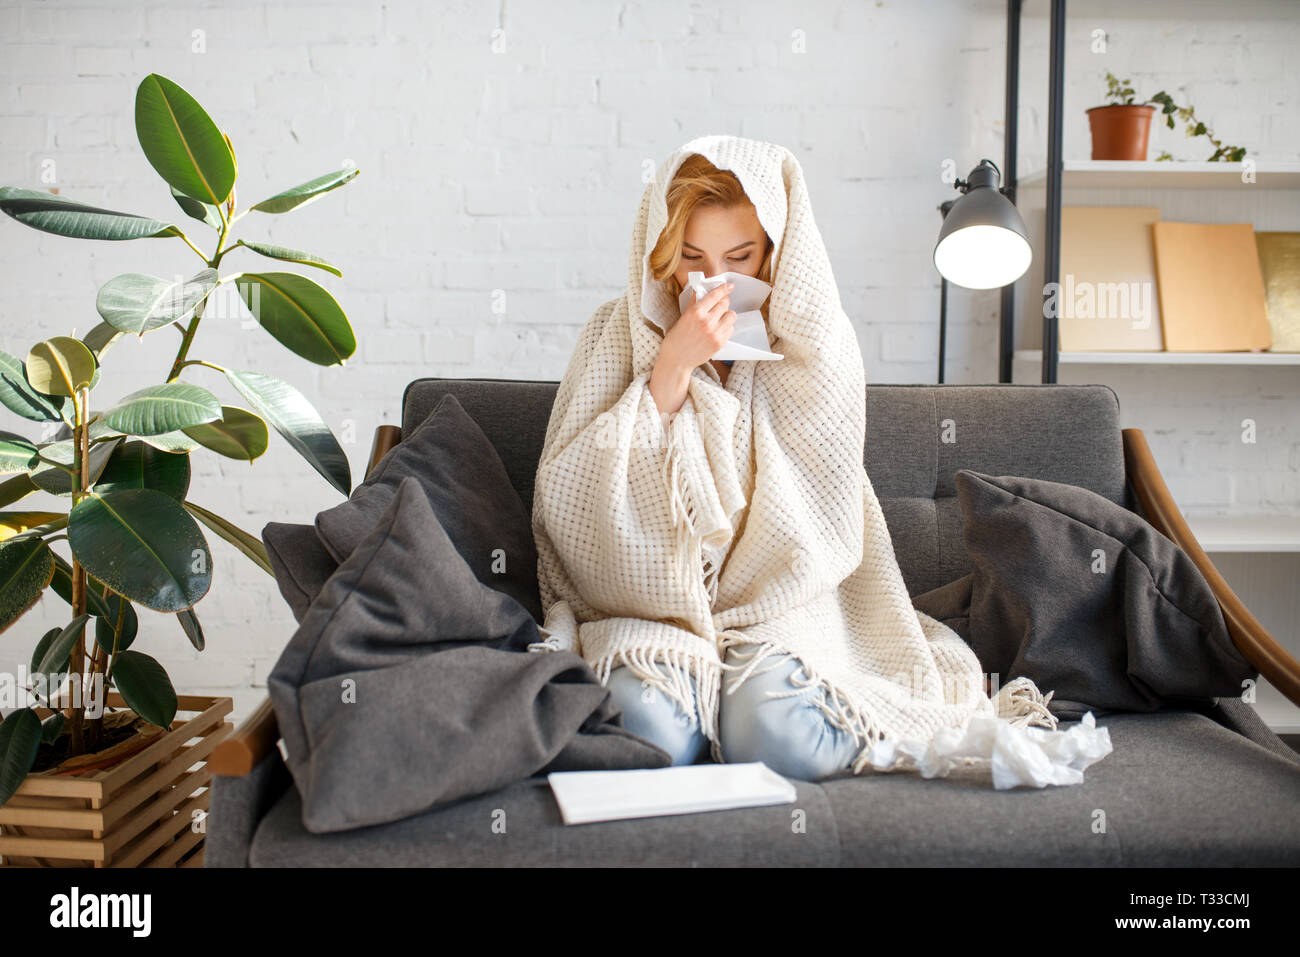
587,796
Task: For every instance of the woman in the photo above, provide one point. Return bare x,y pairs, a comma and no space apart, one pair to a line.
693,519
714,228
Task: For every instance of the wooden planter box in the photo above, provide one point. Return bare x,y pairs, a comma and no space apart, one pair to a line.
139,813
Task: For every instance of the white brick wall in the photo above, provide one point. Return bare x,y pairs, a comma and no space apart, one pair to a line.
520,170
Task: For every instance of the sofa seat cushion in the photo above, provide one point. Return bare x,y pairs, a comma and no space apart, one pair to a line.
1179,790
463,835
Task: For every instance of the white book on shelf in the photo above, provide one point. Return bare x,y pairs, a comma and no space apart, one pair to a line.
587,796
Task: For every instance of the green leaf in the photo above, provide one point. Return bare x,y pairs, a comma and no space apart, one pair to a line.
60,366
290,255
142,544
52,727
175,441
55,214
63,449
246,543
238,435
104,626
204,212
137,465
26,567
18,523
156,409
56,657
20,739
16,488
293,417
134,302
300,314
61,584
144,685
43,646
56,481
193,630
234,159
181,142
18,395
306,192
43,688
98,340
16,454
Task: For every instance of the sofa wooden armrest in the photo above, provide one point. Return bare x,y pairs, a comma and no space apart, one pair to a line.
386,438
245,747
1251,638
257,734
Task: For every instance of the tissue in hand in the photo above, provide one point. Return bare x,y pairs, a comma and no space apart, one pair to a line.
749,334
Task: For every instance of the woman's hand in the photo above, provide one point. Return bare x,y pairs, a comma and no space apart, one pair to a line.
704,327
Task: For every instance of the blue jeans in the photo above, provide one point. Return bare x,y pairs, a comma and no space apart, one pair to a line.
791,735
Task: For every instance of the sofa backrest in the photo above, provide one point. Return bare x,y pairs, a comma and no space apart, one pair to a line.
917,437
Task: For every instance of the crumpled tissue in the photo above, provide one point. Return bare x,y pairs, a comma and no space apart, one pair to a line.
1016,754
749,334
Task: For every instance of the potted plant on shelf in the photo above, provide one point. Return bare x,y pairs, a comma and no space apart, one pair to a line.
1121,129
81,783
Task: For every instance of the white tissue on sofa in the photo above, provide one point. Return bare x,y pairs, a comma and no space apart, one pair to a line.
1016,754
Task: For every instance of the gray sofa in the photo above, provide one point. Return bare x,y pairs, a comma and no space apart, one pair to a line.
1202,787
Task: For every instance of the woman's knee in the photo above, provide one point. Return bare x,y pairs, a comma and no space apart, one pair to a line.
651,714
792,735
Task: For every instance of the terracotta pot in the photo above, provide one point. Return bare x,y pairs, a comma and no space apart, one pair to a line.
1120,132
147,810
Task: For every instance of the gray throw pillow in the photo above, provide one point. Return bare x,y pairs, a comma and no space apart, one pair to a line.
408,685
300,562
469,491
1087,599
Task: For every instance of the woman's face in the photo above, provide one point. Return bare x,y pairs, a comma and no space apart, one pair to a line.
720,240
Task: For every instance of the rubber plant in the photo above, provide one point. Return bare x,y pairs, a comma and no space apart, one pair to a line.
133,535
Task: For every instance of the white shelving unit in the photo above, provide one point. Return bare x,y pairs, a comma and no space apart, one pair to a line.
1166,358
1170,174
1258,554
1257,534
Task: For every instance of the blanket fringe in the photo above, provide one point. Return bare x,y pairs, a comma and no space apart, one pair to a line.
1024,705
684,669
691,562
546,644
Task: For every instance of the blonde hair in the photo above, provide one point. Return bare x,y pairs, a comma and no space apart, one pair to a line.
698,183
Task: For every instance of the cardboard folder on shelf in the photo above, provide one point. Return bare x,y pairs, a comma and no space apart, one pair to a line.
1108,298
1211,287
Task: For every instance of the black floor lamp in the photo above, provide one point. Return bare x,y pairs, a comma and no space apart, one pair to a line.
983,243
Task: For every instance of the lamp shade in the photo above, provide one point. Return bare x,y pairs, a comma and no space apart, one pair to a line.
983,243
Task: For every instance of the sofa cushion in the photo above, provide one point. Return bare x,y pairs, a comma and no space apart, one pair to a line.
1089,601
408,685
460,835
300,562
1179,790
469,491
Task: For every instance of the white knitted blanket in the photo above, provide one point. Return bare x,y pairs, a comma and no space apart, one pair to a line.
747,517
